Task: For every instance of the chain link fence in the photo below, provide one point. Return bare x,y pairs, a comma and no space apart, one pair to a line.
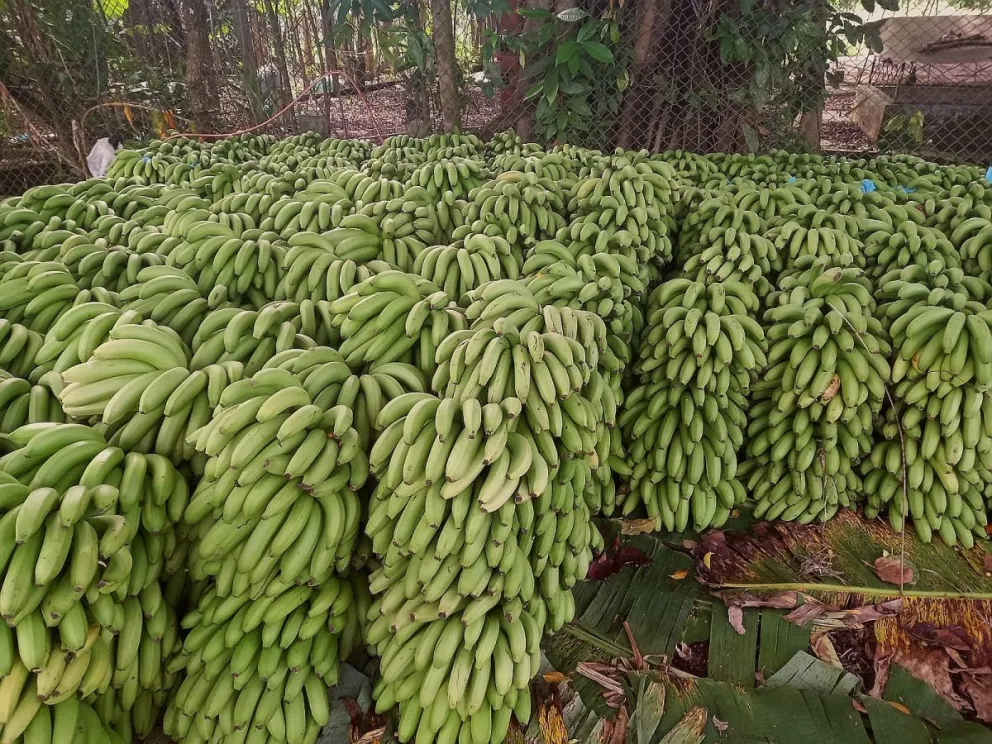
702,75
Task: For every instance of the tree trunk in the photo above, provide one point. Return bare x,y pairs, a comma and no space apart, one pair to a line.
198,63
647,11
331,58
525,123
418,110
811,125
249,64
447,66
285,96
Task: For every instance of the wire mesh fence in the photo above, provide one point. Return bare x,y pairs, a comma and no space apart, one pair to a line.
702,75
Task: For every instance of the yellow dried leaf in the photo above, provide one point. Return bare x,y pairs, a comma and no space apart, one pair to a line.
706,559
679,575
554,678
899,707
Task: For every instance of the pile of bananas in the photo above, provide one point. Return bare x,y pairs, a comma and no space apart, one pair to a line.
812,411
404,378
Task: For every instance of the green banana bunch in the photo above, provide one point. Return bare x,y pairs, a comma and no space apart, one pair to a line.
23,403
253,337
620,212
134,353
523,207
147,409
910,478
552,166
28,721
170,297
812,410
360,189
447,180
510,144
77,333
729,253
684,420
958,217
35,293
330,382
20,225
394,161
277,499
908,245
406,226
467,263
259,669
19,347
244,263
770,202
459,681
152,493
393,316
314,273
448,564
104,265
602,283
939,326
794,242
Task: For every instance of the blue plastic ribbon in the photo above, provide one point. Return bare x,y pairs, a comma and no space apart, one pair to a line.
792,179
908,189
867,186
145,158
988,174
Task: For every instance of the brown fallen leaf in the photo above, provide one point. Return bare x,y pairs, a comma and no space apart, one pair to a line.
831,390
554,678
871,613
932,666
881,665
951,636
806,613
719,725
778,600
892,570
979,690
639,526
735,615
824,650
987,562
615,731
679,575
689,544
